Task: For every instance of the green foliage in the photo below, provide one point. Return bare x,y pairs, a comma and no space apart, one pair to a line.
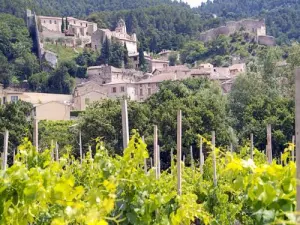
60,81
202,103
56,131
192,51
16,59
158,27
105,189
117,54
173,59
62,25
14,117
105,52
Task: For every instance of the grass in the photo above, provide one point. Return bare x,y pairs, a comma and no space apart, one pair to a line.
63,53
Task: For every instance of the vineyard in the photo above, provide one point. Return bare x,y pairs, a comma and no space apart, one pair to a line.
103,189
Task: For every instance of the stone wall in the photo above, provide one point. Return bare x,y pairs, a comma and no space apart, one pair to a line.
266,40
256,27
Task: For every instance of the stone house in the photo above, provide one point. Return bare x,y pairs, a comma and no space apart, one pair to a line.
46,106
154,64
120,34
52,111
87,93
80,28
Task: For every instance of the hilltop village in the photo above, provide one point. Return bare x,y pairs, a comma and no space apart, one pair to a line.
105,81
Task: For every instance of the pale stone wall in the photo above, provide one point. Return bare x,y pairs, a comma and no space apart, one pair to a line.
121,90
266,40
83,101
52,111
154,64
256,27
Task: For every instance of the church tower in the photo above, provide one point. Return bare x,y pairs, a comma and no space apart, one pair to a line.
121,27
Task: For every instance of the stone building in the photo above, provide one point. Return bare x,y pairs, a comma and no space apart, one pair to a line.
254,27
108,74
87,93
154,64
120,34
45,106
80,28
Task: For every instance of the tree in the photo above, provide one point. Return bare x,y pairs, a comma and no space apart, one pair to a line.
253,106
15,117
116,54
105,52
103,119
126,57
67,24
39,82
62,25
60,81
192,51
173,59
142,61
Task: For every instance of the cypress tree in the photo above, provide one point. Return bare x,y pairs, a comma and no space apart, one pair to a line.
62,25
105,52
67,24
126,57
142,61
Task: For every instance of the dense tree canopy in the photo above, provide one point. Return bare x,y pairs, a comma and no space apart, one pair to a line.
17,63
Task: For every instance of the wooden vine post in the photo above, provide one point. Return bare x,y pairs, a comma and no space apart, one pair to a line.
36,133
297,117
179,134
214,157
269,143
201,156
251,146
125,126
155,152
145,160
158,161
56,152
80,146
5,150
192,158
293,149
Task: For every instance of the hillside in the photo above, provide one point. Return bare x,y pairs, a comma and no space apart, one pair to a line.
157,28
80,8
282,16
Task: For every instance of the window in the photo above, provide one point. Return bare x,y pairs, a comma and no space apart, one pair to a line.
4,100
86,25
14,98
74,22
54,21
114,90
44,21
87,101
149,85
141,92
135,58
122,89
50,21
80,24
140,85
149,91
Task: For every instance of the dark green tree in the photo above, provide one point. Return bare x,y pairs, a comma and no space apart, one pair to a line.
116,54
126,57
62,25
105,52
60,81
142,61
